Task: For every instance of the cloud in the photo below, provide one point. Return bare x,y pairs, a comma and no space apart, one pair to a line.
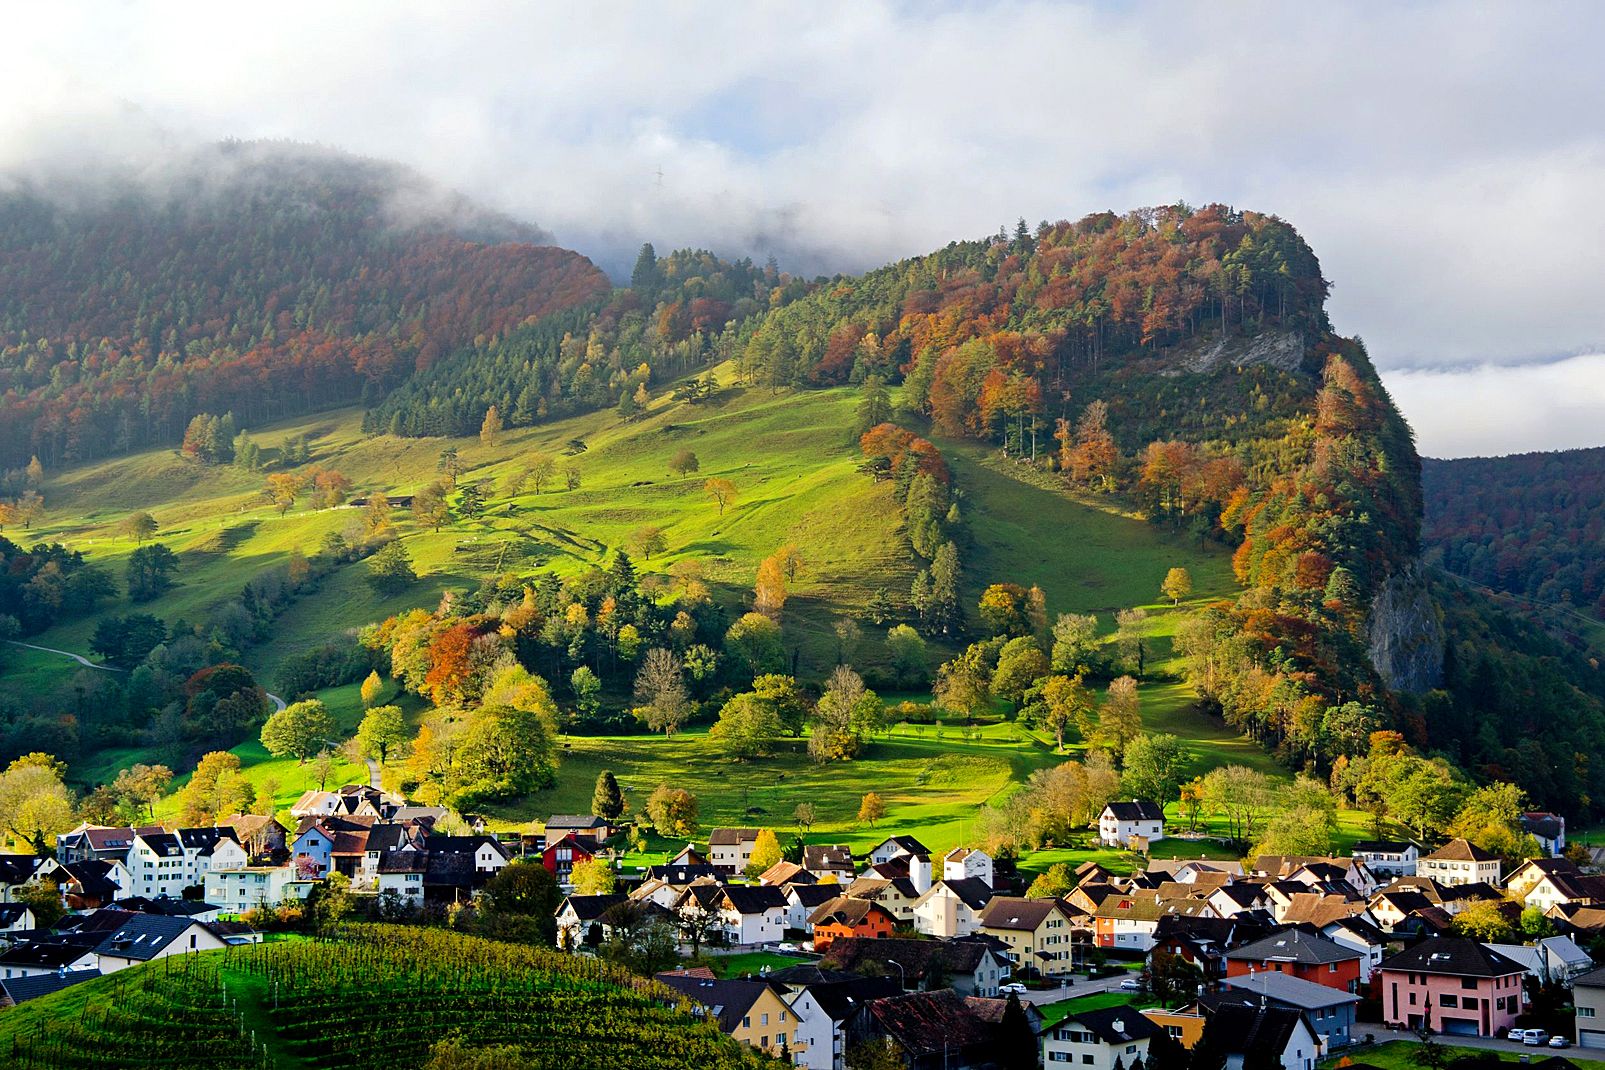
1440,157
1492,410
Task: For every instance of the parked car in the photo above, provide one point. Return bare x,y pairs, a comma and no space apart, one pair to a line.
1013,986
1559,1042
787,948
1535,1038
1131,984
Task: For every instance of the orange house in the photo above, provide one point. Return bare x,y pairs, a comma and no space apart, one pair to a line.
1302,955
845,916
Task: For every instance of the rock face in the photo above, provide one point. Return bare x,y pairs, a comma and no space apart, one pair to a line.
1279,349
1405,635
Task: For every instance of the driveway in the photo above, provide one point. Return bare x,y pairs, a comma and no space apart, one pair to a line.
1481,1043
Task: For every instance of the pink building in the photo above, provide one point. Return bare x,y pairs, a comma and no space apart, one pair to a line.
1453,985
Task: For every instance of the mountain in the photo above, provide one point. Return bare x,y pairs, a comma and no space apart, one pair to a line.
265,279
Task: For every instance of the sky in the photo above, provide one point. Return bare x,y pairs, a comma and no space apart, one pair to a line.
1441,158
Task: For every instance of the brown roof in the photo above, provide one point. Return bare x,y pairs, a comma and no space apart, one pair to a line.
784,872
1013,912
1461,850
1319,910
731,837
845,910
925,1023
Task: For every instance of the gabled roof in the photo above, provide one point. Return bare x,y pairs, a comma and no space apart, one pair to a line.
1135,810
1293,945
973,892
11,913
1591,979
205,840
1382,847
17,869
109,839
748,899
579,822
924,1023
53,951
470,845
1115,1025
1319,909
1292,991
840,999
917,957
403,862
1455,955
728,1000
591,907
680,875
143,936
879,887
1460,850
1012,912
163,844
165,905
447,870
907,844
784,872
1543,824
811,895
22,989
845,910
1237,1030
1360,928
731,837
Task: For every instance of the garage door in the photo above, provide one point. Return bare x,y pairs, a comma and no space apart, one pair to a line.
1459,1027
1590,1038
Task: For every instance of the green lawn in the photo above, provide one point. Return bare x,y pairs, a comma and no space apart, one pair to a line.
1399,1054
752,963
1054,1013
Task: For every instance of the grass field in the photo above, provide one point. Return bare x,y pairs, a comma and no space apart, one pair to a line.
792,457
1400,1055
1054,1013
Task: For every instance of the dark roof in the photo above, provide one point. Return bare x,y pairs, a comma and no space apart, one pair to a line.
15,869
22,989
464,845
908,843
1457,955
973,892
1549,826
164,905
1293,945
844,910
11,913
1361,928
681,874
811,895
924,1023
392,835
165,844
205,840
93,877
747,899
591,907
1013,912
1593,978
917,957
809,974
143,936
576,821
52,951
404,862
1237,1030
447,870
731,837
1288,990
839,999
1137,810
728,1000
1116,1025
827,856
1382,847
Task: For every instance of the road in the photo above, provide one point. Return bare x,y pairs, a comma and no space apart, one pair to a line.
1080,988
1360,1029
278,703
373,773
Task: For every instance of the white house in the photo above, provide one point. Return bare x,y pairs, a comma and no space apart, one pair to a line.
16,917
894,847
579,915
401,873
145,937
157,866
752,915
803,899
962,862
18,872
822,1011
1388,858
1459,862
1099,1039
731,849
243,888
952,908
1554,958
1137,821
209,848
1548,829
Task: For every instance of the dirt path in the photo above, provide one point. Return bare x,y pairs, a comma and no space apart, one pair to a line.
278,703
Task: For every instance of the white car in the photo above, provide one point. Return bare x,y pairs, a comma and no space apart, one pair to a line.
788,949
1559,1042
1535,1038
1014,986
1131,984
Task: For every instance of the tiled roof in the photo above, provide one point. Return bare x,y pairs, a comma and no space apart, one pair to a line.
1136,810
1456,955
1460,850
845,910
925,1023
1293,945
728,1000
1115,1025
731,837
1293,991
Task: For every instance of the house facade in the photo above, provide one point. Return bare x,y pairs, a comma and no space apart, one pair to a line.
1124,823
731,849
1099,1039
1037,933
1388,858
1460,862
1452,983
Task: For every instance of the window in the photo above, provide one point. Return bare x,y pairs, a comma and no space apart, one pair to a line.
746,1023
1585,1012
1448,1001
765,1018
1469,984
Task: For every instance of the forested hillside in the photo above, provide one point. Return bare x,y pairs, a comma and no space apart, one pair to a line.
1531,525
266,280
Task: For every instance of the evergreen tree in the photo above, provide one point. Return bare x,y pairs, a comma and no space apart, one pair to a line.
607,800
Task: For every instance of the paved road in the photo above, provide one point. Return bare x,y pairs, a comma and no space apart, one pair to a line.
278,703
1082,987
373,772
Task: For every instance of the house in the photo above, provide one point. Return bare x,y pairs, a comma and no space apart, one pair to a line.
485,852
401,874
1388,858
1036,932
1203,942
102,842
1128,922
324,845
740,914
599,829
783,873
1321,908
16,918
1453,984
260,835
1459,862
803,899
1102,1039
968,862
48,953
952,907
929,1030
1588,995
1260,1032
351,800
1361,935
157,864
194,909
1138,823
897,894
1553,958
753,1012
579,919
18,872
1183,870
236,891
92,883
1548,829
894,847
1299,954
561,856
1329,1012
1238,898
822,1009
829,860
730,850
845,916
17,990
971,967
146,937
1549,882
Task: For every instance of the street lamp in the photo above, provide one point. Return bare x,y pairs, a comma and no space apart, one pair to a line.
902,974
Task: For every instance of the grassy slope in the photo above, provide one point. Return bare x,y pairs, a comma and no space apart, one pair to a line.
791,456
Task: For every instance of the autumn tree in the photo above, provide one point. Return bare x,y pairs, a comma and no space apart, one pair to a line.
430,508
376,522
491,427
806,815
769,593
684,462
1178,585
1066,704
138,789
754,642
542,466
721,490
648,541
382,728
216,789
300,729
1483,921
282,490
765,853
1120,717
34,803
592,876
871,809
139,527
390,570
673,811
848,713
372,688
330,488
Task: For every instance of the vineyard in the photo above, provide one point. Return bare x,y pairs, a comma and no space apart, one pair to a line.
376,996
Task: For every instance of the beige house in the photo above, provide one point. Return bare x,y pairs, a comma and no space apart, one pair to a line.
952,908
731,849
1588,995
1037,932
1459,862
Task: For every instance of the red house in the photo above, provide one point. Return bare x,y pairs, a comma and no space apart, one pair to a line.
1453,985
1300,954
560,857
845,916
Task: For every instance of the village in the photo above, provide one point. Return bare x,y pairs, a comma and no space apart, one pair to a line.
939,959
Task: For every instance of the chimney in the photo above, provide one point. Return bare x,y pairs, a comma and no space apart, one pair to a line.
1119,1025
919,871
